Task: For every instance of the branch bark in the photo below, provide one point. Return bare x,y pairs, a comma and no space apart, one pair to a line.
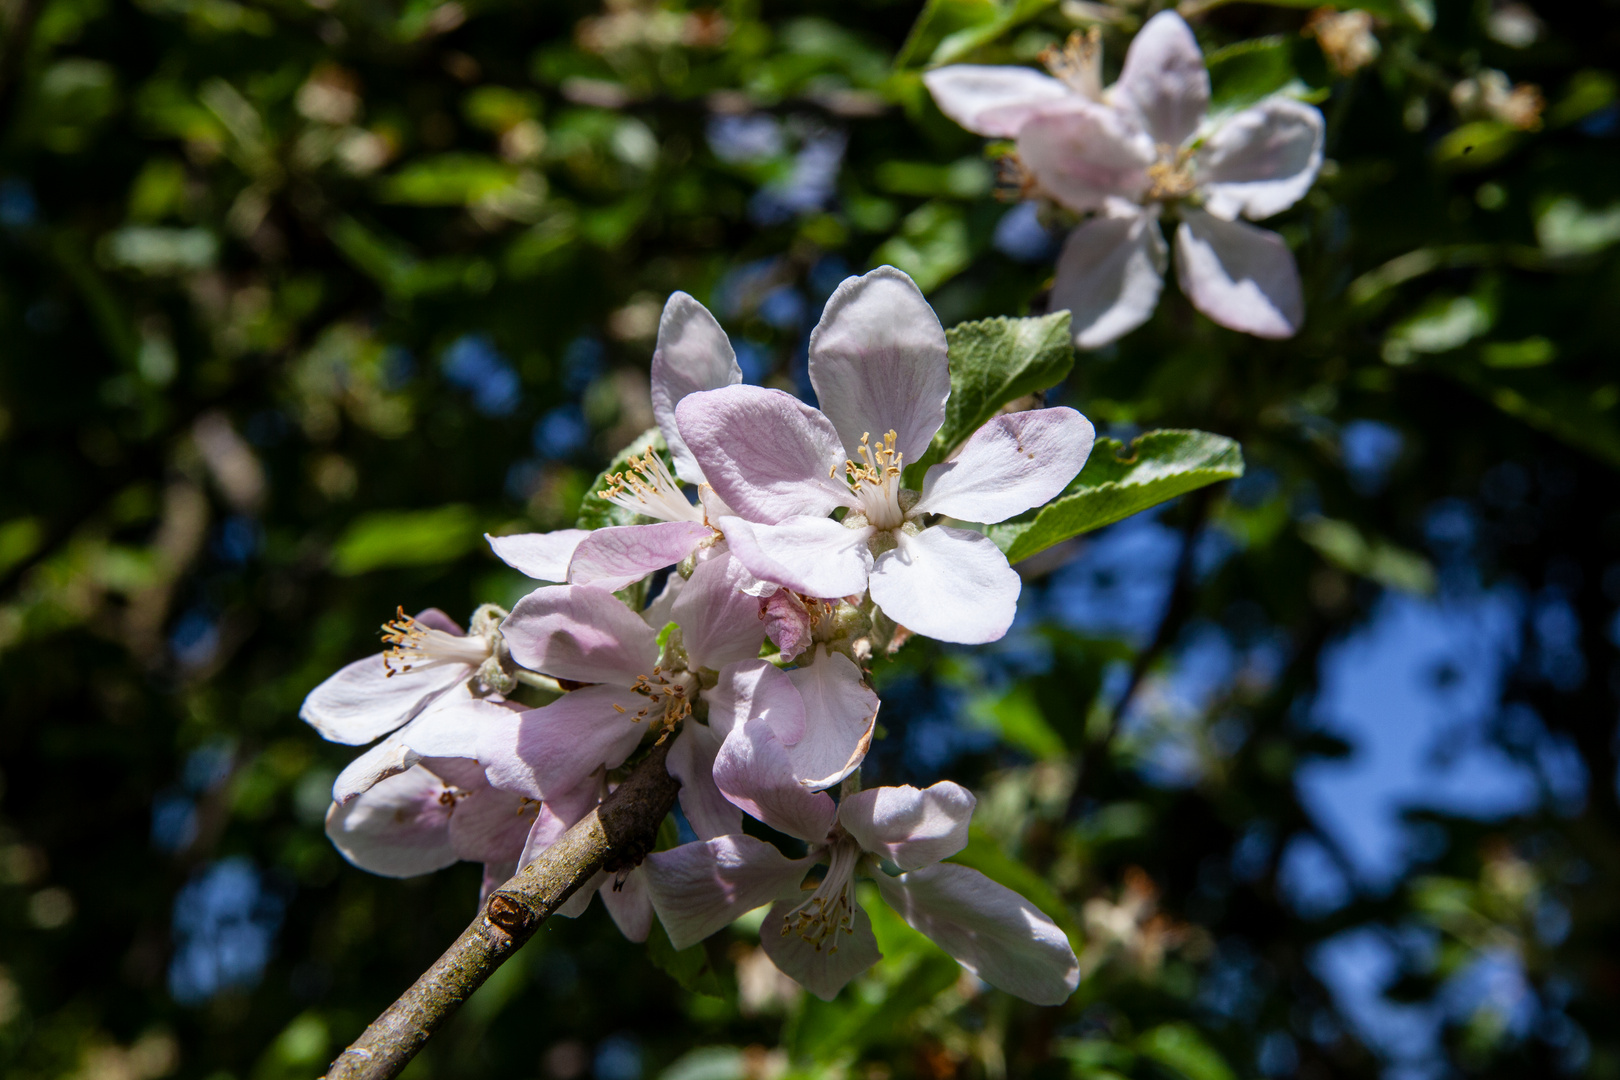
616,834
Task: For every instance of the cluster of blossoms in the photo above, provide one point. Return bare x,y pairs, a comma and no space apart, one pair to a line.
776,522
1141,149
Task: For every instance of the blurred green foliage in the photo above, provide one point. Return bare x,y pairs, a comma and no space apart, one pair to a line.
299,297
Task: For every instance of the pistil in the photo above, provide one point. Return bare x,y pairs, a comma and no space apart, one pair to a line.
1172,175
830,911
875,479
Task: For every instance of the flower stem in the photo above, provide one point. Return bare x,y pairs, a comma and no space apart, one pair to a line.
618,831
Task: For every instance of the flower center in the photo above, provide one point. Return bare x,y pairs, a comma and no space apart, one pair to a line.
830,911
875,480
416,646
669,693
648,488
1172,175
1079,63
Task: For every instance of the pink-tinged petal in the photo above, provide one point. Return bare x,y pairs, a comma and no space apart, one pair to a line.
764,452
581,633
453,726
756,690
576,905
947,584
1261,161
755,772
388,758
691,761
1015,461
719,622
626,899
907,826
1084,154
490,825
700,888
399,828
463,774
816,556
1240,276
878,363
657,614
560,813
1164,80
1109,276
363,700
990,930
821,971
542,556
992,101
555,748
613,557
840,715
693,355
787,622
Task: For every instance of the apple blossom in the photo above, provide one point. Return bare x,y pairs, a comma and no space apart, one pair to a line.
692,355
825,940
429,657
1141,147
879,367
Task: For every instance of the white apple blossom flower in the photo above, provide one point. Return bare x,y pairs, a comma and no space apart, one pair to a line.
825,940
1143,146
879,367
584,634
692,354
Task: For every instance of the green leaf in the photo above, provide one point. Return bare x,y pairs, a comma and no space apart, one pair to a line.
456,179
1248,71
690,967
1418,13
1342,544
596,512
932,245
405,538
1160,466
1016,718
939,20
995,361
1565,228
1181,1048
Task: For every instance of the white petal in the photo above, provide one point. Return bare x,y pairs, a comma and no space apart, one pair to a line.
992,101
490,825
765,452
1261,161
559,813
816,556
878,363
693,355
756,690
910,828
947,584
399,828
388,758
755,772
840,715
700,888
822,971
613,557
691,761
452,727
1109,276
581,633
720,623
1242,277
542,556
1012,463
626,899
990,930
577,904
363,701
555,748
1164,79
1084,154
